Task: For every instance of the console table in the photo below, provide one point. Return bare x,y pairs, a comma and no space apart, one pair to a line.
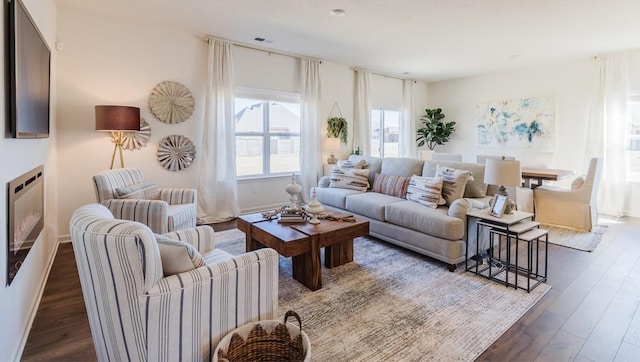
507,233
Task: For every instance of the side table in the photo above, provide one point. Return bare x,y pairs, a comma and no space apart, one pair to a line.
512,229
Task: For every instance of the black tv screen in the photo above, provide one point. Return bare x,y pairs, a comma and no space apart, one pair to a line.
29,72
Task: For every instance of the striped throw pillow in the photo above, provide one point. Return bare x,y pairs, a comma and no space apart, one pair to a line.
390,185
141,191
454,182
349,178
425,190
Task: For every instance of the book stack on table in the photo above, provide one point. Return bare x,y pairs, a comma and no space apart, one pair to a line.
292,215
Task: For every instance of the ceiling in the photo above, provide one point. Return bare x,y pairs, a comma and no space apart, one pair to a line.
429,40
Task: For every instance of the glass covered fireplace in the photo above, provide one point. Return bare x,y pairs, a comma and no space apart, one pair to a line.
25,219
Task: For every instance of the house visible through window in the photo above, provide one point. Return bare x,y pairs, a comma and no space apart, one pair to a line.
267,133
385,133
633,149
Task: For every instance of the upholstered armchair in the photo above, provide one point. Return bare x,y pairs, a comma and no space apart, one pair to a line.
139,311
128,196
574,207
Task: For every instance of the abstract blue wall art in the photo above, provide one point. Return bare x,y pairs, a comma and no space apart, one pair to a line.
519,123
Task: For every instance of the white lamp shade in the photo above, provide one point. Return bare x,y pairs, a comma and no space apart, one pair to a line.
502,172
332,144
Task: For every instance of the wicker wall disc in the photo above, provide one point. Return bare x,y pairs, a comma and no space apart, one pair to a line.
134,140
171,102
176,152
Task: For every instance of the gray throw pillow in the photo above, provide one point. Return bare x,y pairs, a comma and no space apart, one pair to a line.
178,256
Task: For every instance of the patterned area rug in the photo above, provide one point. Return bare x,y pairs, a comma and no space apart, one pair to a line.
393,304
576,239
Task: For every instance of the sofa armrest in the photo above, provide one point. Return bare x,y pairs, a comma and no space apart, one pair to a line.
203,305
201,237
324,181
459,208
153,213
178,195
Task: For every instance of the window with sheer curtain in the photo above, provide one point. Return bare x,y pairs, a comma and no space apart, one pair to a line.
385,133
633,150
267,132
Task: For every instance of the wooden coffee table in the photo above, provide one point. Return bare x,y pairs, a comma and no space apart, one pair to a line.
302,242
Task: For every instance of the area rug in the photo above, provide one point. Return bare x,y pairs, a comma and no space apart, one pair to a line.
394,304
576,239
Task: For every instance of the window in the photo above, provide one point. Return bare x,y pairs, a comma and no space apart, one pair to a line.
267,133
633,148
385,134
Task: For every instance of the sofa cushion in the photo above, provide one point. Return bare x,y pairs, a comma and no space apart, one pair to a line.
401,166
475,185
454,182
390,185
434,222
178,256
370,204
334,197
349,178
425,190
139,191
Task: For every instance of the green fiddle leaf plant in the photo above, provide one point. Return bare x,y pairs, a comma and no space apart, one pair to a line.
337,128
435,130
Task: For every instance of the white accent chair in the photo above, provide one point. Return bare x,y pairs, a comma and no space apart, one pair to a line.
574,207
136,314
176,208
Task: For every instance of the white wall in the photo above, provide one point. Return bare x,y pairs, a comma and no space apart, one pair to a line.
19,301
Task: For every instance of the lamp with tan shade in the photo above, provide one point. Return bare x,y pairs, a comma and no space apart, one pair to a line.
502,172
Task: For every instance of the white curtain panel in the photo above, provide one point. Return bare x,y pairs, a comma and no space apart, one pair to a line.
310,144
362,122
217,187
408,146
608,129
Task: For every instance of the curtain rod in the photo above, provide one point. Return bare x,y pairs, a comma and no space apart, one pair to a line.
382,74
207,38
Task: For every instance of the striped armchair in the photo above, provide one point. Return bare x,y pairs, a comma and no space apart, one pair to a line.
137,314
170,210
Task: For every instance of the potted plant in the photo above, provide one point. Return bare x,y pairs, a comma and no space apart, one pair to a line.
435,131
337,128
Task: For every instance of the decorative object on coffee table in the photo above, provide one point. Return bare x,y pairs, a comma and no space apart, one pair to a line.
314,207
171,102
134,140
176,152
293,189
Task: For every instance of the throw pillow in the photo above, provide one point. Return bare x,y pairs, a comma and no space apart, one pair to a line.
453,182
425,190
178,256
349,178
390,185
350,164
141,191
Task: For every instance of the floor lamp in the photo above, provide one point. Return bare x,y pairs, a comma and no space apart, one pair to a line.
117,119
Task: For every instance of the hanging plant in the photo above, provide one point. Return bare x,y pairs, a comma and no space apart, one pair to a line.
337,128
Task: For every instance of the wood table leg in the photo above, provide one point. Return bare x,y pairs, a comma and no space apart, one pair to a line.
306,267
338,254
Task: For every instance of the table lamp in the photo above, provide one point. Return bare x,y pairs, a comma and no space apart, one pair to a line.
503,173
332,144
117,119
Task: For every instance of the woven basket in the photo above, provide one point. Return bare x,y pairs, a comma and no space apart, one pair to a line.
270,340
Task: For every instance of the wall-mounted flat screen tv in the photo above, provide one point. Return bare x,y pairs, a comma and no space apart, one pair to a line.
29,62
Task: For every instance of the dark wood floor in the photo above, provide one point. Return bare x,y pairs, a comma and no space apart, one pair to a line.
591,312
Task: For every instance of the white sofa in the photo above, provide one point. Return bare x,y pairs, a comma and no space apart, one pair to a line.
440,233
